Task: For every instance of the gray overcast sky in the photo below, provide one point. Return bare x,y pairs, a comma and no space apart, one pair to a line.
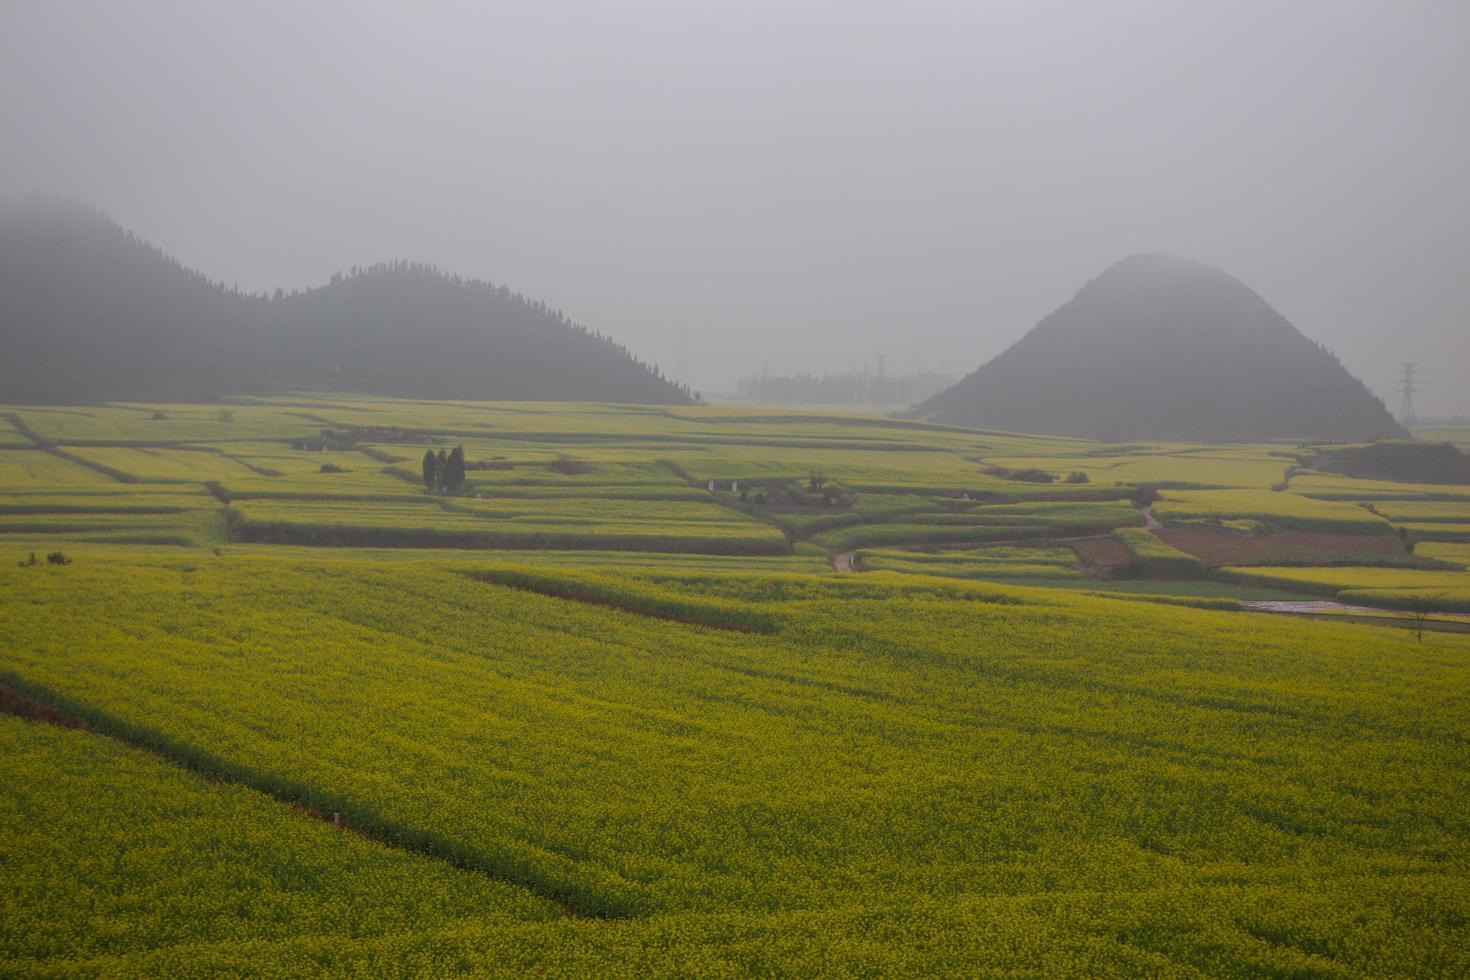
812,184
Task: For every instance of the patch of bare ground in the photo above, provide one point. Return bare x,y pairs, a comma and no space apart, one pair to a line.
1101,557
1217,548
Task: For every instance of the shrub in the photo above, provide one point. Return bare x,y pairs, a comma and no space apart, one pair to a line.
58,558
1028,475
1145,494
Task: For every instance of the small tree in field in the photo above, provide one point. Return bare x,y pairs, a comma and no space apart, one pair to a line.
1420,608
443,469
431,470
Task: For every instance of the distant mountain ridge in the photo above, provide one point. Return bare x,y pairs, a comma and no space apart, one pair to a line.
1162,348
89,312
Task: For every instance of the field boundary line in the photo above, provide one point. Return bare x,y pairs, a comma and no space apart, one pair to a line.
47,446
32,704
569,592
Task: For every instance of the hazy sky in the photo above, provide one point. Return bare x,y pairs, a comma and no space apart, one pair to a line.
809,184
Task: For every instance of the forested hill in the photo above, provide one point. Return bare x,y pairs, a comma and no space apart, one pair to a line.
1162,348
88,312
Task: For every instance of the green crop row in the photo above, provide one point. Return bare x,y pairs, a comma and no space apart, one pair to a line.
879,535
1438,532
575,523
1286,510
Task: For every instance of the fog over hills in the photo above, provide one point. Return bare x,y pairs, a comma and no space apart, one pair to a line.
798,187
1158,347
89,312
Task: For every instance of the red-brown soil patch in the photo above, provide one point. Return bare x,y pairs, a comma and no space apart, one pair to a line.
12,702
1216,548
1100,556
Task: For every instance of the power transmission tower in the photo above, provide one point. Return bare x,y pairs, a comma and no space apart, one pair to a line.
1407,389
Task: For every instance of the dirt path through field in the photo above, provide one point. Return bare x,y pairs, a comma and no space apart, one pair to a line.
1344,613
1310,606
1305,606
1150,522
842,561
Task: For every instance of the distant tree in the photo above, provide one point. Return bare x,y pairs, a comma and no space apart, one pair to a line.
431,469
1420,609
442,468
455,478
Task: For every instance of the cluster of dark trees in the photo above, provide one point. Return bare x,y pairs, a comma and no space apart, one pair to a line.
444,471
1399,460
843,388
1036,475
88,312
54,558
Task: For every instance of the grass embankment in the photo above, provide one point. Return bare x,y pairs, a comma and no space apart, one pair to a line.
1152,557
1274,509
